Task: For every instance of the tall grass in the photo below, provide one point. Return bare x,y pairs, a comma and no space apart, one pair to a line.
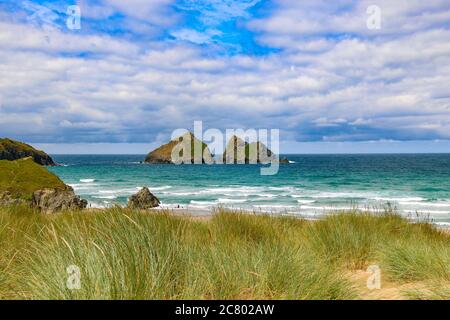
418,259
355,240
124,254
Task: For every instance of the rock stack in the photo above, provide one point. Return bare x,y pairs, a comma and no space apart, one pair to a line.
143,200
163,154
240,152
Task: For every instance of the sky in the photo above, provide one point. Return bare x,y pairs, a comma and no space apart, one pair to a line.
332,76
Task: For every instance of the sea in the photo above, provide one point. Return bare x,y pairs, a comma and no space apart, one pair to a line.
310,186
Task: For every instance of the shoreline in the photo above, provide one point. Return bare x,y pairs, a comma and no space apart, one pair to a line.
207,214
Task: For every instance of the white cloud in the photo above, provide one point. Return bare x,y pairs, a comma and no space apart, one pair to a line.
22,38
360,86
318,17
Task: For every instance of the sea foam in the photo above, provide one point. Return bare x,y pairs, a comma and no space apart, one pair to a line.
87,180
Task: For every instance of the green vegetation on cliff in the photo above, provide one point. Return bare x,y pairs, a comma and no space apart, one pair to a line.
13,150
22,177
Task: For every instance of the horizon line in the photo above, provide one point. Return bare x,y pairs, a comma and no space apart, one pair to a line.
281,154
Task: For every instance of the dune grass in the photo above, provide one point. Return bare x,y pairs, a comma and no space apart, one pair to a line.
124,254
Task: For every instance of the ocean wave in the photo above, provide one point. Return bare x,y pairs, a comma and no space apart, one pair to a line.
266,195
118,191
87,180
426,204
83,187
281,188
227,192
243,190
331,208
159,188
443,224
208,203
426,211
275,206
105,197
398,199
226,200
263,199
344,195
305,201
180,193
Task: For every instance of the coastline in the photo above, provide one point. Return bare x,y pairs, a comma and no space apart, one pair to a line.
310,187
207,214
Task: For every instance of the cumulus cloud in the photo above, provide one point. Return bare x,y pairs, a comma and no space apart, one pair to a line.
329,78
294,18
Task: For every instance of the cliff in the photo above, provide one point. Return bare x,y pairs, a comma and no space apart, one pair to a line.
25,182
14,150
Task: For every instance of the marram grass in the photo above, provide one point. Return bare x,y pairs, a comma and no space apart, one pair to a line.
125,254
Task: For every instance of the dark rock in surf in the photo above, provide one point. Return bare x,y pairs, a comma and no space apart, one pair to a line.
143,200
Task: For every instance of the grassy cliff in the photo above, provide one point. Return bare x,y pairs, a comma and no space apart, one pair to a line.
22,177
13,150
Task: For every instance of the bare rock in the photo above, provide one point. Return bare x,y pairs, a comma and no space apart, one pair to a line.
52,200
143,200
7,200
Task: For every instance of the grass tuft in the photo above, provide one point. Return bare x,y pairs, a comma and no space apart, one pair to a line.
126,254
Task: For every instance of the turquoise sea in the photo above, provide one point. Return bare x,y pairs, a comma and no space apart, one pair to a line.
312,185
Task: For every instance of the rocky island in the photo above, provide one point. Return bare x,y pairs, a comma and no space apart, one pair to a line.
163,154
240,151
13,150
235,147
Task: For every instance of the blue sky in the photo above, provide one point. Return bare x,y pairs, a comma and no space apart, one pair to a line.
136,70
